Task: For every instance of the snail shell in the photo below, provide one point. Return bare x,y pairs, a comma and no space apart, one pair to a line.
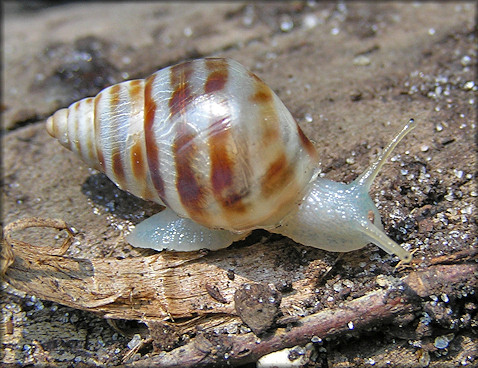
206,138
214,144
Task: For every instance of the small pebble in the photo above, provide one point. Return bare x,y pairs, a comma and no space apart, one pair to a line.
362,60
441,342
134,341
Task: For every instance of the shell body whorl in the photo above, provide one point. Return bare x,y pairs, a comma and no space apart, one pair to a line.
207,138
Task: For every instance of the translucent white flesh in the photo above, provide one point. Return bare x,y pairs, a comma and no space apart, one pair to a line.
368,176
342,217
166,230
338,217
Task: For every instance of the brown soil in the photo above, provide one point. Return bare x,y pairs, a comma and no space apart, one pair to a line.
351,74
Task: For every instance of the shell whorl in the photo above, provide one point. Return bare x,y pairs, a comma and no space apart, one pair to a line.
207,138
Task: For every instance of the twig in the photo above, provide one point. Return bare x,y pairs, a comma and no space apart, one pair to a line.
25,223
377,307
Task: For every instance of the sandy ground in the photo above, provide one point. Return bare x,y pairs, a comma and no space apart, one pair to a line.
350,73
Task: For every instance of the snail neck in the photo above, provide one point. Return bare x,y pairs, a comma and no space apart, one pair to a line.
338,217
342,217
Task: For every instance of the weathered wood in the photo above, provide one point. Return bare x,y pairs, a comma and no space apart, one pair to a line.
167,285
172,285
378,307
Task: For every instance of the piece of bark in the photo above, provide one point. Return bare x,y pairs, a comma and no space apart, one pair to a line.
156,290
257,305
166,285
375,308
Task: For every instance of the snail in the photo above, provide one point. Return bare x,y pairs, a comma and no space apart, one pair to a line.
210,141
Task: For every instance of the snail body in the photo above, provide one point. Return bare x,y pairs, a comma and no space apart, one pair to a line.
214,144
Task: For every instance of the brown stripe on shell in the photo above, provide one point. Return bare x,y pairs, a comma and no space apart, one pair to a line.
262,93
136,95
152,149
307,144
137,162
135,89
114,92
97,124
278,173
181,96
180,99
222,168
118,168
180,73
217,78
116,161
263,97
191,192
137,158
139,167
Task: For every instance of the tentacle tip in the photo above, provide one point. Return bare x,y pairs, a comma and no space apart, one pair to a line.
411,124
406,257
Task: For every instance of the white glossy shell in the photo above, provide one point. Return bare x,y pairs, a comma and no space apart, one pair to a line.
207,138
